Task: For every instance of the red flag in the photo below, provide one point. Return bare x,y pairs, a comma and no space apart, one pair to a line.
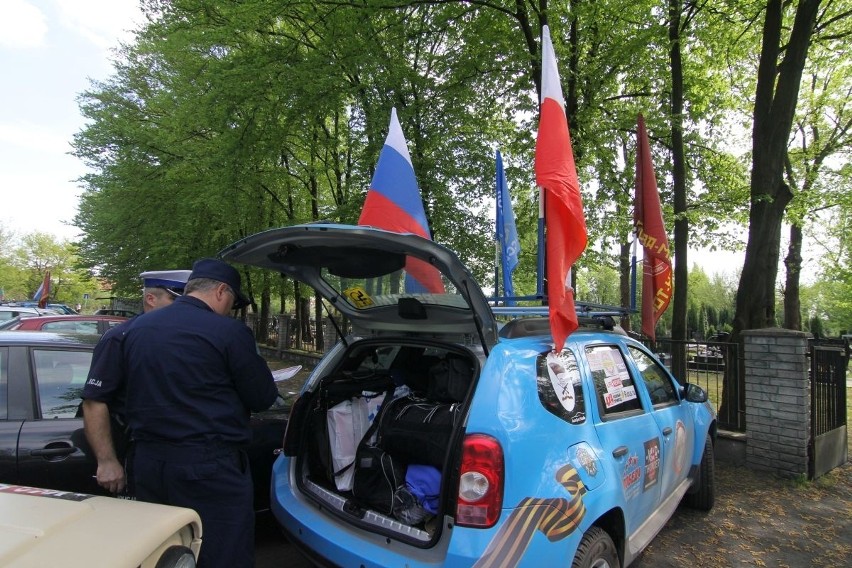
651,232
564,220
43,293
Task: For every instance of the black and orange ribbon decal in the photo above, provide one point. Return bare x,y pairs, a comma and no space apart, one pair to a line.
555,517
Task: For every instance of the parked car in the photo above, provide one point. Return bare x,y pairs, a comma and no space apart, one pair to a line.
426,438
63,323
42,442
114,312
9,311
56,308
45,527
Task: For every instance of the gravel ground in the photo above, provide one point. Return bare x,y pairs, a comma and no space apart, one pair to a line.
760,520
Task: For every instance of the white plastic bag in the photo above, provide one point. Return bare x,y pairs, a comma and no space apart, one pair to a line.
348,421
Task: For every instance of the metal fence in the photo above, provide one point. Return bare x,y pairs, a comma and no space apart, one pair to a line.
284,332
710,365
829,360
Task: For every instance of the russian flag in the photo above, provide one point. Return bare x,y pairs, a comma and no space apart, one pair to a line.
42,295
556,173
393,203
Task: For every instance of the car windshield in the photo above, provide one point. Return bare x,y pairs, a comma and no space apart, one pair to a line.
417,280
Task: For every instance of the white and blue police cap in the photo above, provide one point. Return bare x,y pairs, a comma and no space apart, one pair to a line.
172,281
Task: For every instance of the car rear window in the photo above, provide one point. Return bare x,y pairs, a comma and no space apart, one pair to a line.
78,326
560,389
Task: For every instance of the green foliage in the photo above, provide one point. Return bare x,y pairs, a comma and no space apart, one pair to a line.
224,119
24,261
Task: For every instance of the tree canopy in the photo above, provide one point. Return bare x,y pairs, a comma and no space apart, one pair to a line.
227,118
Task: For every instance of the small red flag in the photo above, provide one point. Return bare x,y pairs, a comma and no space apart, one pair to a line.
651,232
564,219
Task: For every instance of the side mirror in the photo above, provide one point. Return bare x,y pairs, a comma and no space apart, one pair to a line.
694,393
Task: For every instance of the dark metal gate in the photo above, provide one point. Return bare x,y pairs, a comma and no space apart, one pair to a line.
828,444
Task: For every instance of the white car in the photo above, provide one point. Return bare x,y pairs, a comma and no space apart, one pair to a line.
8,312
44,527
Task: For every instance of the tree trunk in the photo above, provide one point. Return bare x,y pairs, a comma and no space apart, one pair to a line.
681,227
775,105
265,302
320,338
624,281
793,262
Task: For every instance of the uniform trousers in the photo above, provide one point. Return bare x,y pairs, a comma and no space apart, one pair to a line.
213,480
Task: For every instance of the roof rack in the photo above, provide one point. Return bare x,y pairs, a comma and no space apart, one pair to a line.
532,320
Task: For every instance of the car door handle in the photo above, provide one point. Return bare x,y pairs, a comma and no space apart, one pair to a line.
619,451
54,452
667,430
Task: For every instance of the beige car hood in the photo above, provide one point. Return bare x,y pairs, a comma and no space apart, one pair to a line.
40,527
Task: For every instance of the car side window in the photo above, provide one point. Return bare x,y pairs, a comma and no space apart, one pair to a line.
659,385
4,382
75,326
60,376
559,386
614,386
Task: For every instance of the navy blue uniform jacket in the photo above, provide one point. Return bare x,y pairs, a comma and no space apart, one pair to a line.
193,376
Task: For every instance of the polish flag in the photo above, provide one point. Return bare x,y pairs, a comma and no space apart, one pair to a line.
556,173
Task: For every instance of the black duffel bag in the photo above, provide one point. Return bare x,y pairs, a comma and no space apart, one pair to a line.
418,431
377,477
450,379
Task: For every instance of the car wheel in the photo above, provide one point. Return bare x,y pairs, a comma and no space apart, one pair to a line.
705,497
596,550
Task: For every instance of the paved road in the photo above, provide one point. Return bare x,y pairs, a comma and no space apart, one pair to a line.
272,550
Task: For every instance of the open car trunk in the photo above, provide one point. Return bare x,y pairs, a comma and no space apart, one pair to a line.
376,433
377,439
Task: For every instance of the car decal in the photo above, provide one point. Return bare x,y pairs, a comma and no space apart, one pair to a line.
652,463
680,447
37,492
562,381
610,365
559,386
630,477
358,297
555,517
588,461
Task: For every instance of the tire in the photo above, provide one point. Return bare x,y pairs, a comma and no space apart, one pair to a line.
596,550
704,498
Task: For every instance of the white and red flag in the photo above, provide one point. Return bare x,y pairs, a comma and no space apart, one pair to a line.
556,173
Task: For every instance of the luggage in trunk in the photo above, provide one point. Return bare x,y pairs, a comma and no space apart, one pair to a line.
418,431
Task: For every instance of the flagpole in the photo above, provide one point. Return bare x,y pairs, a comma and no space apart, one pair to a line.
496,271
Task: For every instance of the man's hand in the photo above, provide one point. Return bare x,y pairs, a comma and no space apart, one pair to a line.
110,473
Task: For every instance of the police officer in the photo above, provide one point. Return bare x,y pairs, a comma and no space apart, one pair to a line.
194,375
104,392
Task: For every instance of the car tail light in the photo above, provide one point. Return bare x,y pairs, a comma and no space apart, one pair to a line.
480,495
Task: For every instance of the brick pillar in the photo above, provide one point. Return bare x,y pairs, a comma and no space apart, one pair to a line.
777,401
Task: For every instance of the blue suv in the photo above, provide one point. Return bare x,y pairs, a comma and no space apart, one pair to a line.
432,434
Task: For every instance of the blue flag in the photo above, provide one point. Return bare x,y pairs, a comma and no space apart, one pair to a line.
507,234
